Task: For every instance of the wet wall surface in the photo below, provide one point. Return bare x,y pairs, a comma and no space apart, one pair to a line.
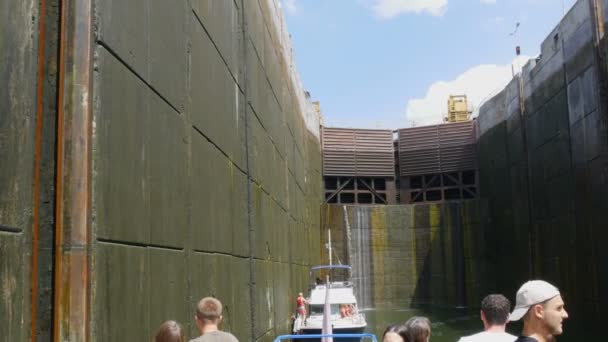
205,178
544,169
18,52
406,255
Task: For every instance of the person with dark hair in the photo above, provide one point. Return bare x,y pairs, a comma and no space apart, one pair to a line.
208,318
169,331
393,333
541,306
494,313
417,329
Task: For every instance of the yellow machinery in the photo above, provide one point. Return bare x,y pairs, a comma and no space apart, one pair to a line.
458,109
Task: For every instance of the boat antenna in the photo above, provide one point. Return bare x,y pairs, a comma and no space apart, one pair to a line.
329,245
338,257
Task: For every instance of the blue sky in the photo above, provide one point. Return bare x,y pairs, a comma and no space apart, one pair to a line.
392,63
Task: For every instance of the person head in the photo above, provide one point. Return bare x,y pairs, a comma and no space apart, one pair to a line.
417,329
541,306
169,331
208,312
393,333
346,310
495,310
300,294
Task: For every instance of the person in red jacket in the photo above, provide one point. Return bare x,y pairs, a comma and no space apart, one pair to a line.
301,305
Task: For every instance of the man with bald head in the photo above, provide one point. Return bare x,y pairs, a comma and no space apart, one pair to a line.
207,318
541,307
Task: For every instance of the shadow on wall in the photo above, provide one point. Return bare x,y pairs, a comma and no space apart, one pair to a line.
544,165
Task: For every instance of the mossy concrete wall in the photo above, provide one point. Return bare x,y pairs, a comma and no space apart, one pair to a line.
205,168
206,180
28,91
543,152
18,52
412,254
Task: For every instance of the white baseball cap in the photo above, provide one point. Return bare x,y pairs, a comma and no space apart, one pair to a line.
531,293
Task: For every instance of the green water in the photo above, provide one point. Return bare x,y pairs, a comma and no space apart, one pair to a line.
447,324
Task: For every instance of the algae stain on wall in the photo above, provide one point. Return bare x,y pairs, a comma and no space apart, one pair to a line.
413,248
379,241
434,217
408,253
471,267
449,256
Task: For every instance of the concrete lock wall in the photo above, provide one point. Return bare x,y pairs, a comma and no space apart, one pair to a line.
544,169
28,100
412,254
18,52
198,98
205,168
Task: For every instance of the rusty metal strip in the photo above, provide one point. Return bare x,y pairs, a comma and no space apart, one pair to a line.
598,20
71,314
37,157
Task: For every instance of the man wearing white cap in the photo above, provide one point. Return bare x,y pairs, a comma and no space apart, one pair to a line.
542,308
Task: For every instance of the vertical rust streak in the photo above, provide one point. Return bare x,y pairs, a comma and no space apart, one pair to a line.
58,311
598,18
71,319
36,209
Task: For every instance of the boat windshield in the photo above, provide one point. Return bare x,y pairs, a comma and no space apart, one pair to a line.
339,273
344,310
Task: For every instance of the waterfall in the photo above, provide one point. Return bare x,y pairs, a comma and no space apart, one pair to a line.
359,254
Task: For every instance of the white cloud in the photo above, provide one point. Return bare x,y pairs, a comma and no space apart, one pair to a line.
488,1
479,83
388,9
290,6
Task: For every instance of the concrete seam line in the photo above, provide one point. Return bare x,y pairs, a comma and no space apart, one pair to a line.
246,110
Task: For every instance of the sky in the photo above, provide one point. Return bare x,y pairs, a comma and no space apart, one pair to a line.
393,63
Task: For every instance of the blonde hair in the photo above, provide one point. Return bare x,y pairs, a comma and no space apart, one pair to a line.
209,309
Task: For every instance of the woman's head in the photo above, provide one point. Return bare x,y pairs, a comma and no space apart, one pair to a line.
417,329
170,331
394,333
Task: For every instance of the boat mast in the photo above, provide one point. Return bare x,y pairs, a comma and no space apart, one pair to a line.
329,245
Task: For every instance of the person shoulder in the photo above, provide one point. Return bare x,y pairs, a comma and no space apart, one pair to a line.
219,336
509,337
488,336
233,338
227,337
470,338
525,339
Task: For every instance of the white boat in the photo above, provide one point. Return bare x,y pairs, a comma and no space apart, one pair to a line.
345,315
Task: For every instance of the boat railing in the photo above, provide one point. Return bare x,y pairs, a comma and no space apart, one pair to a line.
319,336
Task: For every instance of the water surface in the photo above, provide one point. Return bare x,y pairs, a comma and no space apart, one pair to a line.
447,324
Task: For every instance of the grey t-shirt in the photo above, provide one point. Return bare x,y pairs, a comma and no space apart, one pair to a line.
216,336
487,336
